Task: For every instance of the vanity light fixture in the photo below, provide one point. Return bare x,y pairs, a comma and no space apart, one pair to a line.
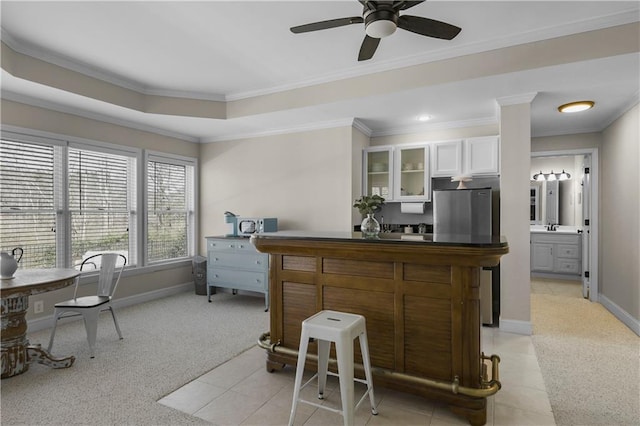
576,106
541,177
564,175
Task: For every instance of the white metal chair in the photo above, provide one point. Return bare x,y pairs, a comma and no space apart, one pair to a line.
342,329
91,306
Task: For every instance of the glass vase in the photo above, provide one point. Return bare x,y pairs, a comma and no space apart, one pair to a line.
370,227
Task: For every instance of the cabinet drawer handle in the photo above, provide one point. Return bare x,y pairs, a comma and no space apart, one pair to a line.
230,245
215,275
240,246
257,262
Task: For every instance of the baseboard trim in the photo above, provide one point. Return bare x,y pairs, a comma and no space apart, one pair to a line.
621,314
47,321
516,326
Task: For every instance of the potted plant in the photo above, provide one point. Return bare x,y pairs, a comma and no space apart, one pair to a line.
367,205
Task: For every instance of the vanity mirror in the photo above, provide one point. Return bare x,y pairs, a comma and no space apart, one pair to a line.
554,200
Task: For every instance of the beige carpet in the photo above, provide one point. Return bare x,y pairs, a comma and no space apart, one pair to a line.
590,361
167,343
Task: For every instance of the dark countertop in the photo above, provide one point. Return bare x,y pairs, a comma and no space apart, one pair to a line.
393,237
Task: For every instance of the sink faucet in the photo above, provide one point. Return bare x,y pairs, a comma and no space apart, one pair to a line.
552,226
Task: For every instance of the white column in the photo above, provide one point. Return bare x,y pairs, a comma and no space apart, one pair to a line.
515,165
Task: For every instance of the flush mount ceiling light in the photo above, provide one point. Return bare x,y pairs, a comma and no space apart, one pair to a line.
576,106
380,23
424,118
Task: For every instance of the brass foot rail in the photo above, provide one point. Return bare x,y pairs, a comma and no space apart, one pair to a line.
487,387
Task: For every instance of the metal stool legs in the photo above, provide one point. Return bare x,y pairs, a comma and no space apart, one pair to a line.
342,332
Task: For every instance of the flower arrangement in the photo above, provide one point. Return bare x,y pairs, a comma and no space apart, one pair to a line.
368,204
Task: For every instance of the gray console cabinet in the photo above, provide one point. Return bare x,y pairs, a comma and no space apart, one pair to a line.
236,264
556,254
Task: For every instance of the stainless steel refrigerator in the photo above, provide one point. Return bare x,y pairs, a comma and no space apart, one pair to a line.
464,212
466,215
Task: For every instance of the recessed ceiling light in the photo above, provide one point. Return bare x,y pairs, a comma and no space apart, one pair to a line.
424,118
576,106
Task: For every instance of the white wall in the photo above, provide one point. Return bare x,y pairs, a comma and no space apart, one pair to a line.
303,179
620,214
515,148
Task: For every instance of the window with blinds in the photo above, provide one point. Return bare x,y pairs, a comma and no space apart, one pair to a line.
29,200
101,197
63,201
170,209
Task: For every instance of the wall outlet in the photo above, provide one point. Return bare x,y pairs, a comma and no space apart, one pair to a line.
38,306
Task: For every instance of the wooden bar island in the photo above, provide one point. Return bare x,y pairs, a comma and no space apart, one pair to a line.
421,301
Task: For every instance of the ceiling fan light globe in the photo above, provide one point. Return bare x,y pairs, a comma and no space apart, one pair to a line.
381,28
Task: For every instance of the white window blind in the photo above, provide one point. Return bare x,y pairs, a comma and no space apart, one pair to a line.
29,201
62,201
102,212
170,209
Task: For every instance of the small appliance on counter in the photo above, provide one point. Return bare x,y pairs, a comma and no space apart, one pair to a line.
253,225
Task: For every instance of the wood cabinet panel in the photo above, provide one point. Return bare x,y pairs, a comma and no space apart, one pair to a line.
298,303
299,263
357,268
377,308
427,273
427,337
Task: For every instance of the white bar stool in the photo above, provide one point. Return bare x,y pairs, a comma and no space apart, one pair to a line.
341,328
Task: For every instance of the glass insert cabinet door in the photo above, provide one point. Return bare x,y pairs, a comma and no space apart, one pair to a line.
378,175
412,171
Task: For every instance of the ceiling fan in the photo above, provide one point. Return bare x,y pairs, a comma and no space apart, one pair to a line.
381,19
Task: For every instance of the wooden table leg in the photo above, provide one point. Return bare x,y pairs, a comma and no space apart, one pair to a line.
16,353
35,353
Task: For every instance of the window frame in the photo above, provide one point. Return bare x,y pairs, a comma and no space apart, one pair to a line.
141,157
192,216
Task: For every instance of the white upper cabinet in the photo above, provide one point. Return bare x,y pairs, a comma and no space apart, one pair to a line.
446,158
411,174
377,164
474,157
404,172
482,156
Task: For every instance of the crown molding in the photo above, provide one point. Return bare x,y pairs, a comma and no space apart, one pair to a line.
485,121
28,100
358,124
282,131
633,101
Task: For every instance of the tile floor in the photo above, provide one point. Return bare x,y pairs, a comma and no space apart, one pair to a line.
242,392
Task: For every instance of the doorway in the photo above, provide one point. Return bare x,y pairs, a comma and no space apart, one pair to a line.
582,194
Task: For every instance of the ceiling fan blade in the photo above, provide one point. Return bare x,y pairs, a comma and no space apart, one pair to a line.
368,48
404,5
323,25
428,27
371,5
